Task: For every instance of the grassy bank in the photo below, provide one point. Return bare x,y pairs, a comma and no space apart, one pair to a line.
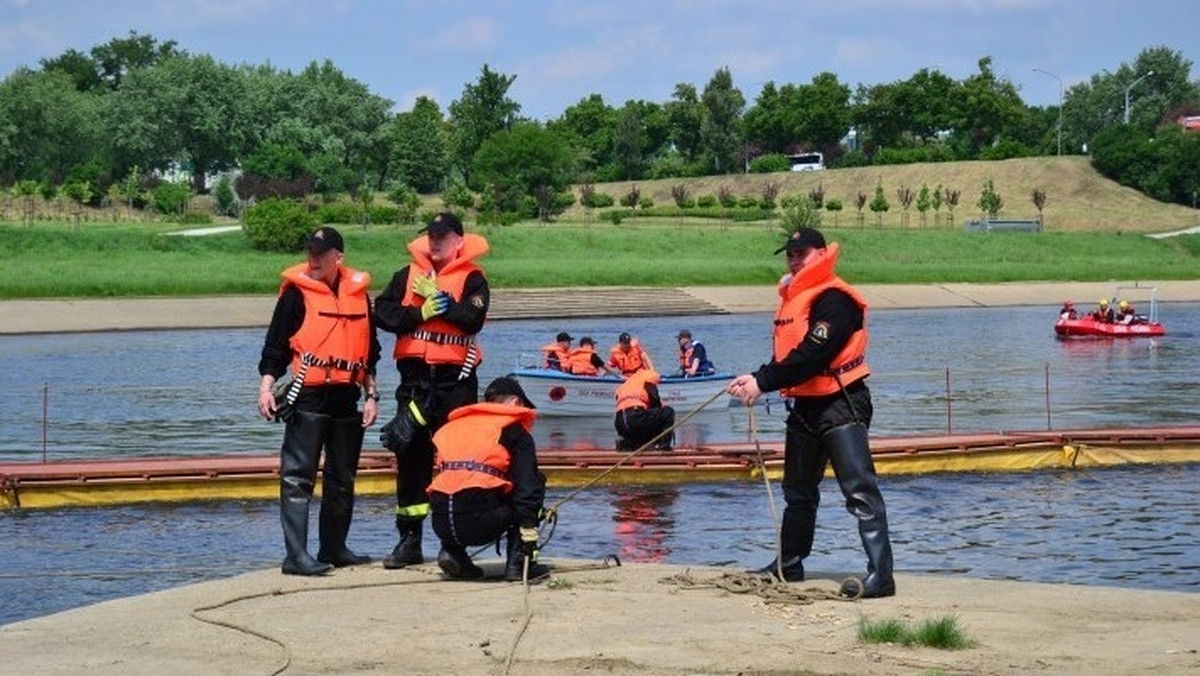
58,260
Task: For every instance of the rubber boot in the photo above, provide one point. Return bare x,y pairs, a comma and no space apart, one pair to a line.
849,453
515,568
337,492
297,469
456,563
793,569
407,551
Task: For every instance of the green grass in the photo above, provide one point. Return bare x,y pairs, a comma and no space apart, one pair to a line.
943,633
60,260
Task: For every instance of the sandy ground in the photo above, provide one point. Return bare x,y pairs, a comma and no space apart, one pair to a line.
591,619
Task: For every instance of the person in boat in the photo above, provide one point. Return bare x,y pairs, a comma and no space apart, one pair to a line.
641,415
1103,312
556,355
819,365
1068,311
487,485
321,329
584,361
693,358
628,356
1126,313
436,305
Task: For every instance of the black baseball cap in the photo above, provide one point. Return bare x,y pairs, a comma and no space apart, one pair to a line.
505,386
563,335
323,239
803,238
443,223
624,338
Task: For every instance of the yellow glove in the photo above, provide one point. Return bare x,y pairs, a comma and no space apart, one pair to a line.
435,305
425,286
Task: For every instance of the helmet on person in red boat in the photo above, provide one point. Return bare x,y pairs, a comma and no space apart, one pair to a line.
1103,302
1069,303
1123,305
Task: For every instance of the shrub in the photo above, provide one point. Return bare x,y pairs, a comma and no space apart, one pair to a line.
646,203
599,200
726,197
382,213
171,198
631,198
457,194
771,162
706,201
339,213
747,201
278,225
194,218
225,198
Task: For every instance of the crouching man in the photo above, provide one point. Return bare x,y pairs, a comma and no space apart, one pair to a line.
487,484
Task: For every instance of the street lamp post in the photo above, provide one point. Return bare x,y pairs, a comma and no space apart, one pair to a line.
1060,104
1131,86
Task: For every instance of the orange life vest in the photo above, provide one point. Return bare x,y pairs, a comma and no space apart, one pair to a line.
791,326
632,392
468,452
579,361
437,341
559,352
335,336
627,362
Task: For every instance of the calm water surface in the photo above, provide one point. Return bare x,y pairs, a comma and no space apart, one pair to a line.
193,392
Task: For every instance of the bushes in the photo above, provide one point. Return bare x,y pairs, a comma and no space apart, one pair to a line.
171,198
278,225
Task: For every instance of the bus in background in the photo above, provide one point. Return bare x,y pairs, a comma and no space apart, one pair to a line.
813,161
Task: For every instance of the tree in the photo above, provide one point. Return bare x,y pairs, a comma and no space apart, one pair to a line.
990,202
483,109
721,129
47,126
879,204
184,112
118,57
685,119
529,160
81,68
420,154
990,109
590,125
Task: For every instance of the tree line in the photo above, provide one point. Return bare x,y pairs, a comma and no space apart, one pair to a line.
137,107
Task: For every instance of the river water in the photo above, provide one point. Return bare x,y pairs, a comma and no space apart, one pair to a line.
154,393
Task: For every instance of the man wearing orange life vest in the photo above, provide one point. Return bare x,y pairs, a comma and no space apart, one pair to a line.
555,355
435,305
322,330
819,365
487,484
627,356
584,361
641,415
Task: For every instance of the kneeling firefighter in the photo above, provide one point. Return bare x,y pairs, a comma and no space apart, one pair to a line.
487,484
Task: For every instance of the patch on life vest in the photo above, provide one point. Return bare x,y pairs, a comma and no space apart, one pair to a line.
477,301
819,332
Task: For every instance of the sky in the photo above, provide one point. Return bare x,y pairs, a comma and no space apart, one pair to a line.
563,51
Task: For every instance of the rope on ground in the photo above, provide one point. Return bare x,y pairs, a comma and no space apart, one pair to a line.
287,653
768,588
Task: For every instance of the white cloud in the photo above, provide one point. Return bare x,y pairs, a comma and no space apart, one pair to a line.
471,35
